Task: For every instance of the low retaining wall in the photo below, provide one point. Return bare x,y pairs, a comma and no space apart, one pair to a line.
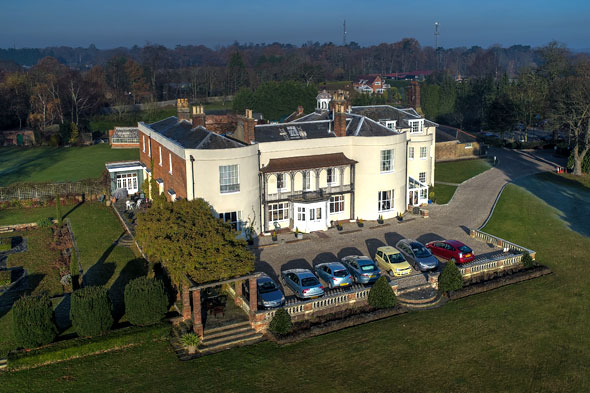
498,282
499,242
491,265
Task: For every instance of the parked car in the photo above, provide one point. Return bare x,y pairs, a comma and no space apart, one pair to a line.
451,250
418,255
334,274
303,283
269,293
392,260
362,269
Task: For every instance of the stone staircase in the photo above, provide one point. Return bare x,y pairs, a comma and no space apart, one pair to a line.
421,297
230,336
126,241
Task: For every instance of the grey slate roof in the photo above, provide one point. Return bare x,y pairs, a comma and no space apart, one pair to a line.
388,112
321,126
183,133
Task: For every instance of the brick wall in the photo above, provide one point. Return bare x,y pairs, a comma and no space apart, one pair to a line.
446,151
176,180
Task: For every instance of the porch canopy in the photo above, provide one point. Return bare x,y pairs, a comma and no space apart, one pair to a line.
307,162
124,166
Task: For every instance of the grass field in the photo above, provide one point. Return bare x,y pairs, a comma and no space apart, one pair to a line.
455,172
96,228
53,164
459,171
529,337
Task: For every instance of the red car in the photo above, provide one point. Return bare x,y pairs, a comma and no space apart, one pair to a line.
452,250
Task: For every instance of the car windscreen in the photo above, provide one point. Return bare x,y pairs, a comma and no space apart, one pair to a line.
396,258
340,273
420,251
267,287
367,268
464,249
309,282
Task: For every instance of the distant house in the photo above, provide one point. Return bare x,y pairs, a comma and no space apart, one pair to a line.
17,138
124,138
411,75
372,84
453,144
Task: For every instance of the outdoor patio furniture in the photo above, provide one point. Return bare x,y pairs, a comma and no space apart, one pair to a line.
129,205
138,204
219,310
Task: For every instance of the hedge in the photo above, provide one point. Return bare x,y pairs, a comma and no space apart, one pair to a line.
281,322
81,347
381,294
33,321
146,301
91,311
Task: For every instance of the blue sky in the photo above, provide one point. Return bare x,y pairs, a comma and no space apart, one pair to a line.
109,23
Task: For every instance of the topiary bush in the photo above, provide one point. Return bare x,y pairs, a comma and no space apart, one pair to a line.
146,301
281,323
527,260
33,321
381,294
91,311
450,279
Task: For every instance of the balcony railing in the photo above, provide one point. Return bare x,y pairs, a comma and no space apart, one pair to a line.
323,192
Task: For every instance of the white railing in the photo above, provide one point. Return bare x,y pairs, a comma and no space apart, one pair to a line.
324,191
498,241
490,264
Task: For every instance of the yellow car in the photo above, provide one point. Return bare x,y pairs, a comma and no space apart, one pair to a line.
392,261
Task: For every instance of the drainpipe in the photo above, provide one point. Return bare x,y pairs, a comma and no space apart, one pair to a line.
260,198
193,173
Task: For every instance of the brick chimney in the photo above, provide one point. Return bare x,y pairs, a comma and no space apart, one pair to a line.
299,110
249,124
414,95
340,119
198,116
183,109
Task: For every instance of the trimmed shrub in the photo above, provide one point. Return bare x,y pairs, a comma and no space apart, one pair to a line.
381,294
33,320
91,311
81,347
450,279
146,301
281,322
527,260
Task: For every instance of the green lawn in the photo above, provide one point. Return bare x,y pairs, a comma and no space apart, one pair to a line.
443,193
95,228
53,164
529,337
459,171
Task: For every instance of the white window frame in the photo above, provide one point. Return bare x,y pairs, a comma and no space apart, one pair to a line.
160,151
411,152
149,147
422,177
281,181
469,145
423,153
387,163
385,201
331,172
170,161
278,211
306,186
416,126
236,223
336,204
143,138
127,181
424,193
301,213
225,179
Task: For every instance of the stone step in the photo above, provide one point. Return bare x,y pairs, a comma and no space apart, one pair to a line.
414,288
222,346
226,327
437,302
230,337
227,333
3,363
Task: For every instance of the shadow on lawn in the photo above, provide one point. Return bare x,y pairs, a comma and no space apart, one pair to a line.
135,268
100,273
32,164
24,287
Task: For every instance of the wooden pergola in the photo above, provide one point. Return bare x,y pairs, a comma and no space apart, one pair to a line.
192,310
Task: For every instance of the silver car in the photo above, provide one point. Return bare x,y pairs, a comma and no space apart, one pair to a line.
417,255
334,274
269,293
303,283
362,268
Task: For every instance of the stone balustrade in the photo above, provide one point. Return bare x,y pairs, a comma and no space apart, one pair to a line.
499,242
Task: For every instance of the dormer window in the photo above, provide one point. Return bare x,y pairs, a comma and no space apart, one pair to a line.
416,126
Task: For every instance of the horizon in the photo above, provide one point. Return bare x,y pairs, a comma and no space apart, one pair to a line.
33,24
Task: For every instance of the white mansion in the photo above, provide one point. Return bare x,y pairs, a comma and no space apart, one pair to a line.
335,164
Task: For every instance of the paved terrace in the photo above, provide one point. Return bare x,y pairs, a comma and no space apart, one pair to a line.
469,208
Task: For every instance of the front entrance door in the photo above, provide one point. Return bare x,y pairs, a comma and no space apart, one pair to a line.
310,217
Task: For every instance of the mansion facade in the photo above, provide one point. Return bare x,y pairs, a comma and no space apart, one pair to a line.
337,163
